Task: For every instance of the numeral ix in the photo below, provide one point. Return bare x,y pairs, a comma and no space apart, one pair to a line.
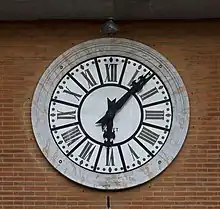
66,115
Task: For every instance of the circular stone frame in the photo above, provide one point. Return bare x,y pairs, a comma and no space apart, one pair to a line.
101,47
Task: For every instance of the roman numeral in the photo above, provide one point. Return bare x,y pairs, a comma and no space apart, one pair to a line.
148,136
87,151
110,157
133,77
122,158
133,153
149,93
71,135
111,72
90,79
68,91
154,114
66,115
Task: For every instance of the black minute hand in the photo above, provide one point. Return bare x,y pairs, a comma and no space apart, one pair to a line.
115,106
136,87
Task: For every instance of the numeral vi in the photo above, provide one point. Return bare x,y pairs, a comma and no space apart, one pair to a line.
109,157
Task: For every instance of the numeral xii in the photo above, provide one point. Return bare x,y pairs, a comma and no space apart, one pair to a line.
111,72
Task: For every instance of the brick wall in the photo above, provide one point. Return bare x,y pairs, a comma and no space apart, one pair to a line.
26,178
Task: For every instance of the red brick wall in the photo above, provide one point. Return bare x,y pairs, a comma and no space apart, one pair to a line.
26,178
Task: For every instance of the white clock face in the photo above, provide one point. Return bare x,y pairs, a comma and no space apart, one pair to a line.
140,126
110,113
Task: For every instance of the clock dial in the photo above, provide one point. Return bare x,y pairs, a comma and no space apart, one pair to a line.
140,125
107,118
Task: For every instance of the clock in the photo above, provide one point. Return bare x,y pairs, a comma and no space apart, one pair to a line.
110,113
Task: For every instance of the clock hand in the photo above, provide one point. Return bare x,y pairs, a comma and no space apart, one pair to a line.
136,87
109,134
114,107
109,113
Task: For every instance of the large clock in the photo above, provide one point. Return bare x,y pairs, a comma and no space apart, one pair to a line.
110,113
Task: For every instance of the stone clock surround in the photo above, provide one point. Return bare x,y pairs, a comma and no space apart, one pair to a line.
121,47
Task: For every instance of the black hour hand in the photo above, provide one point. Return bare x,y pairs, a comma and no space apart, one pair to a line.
109,114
